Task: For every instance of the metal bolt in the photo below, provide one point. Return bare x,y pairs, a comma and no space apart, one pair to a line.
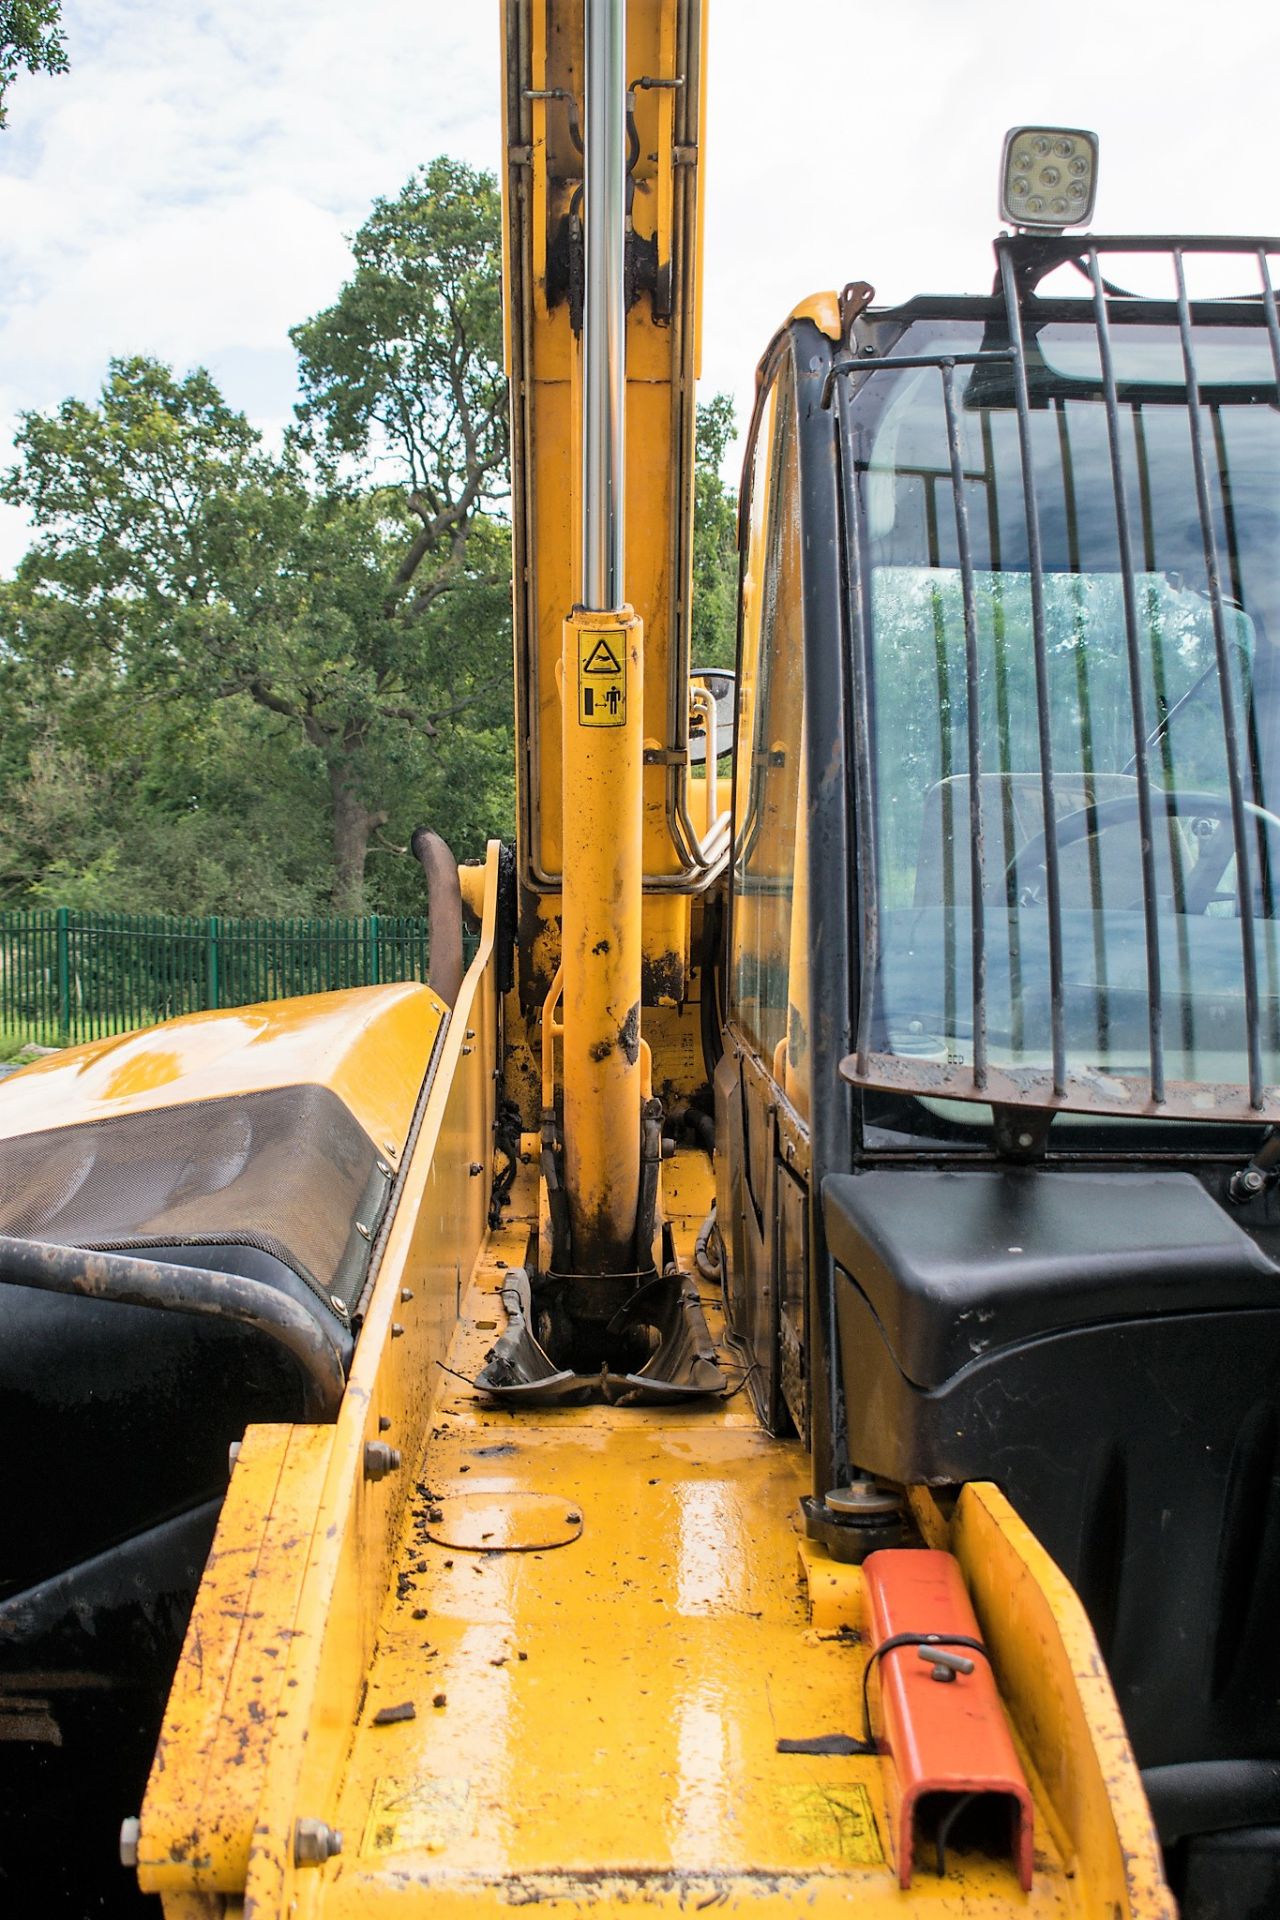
396,1330
129,1832
468,1049
380,1459
339,1305
384,1424
233,1453
389,1146
314,1842
1248,1182
406,1293
471,1033
383,1167
476,1167
362,1228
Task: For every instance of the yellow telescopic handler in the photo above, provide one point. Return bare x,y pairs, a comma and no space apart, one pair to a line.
763,1390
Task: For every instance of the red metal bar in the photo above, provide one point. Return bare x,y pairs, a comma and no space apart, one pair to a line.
939,1737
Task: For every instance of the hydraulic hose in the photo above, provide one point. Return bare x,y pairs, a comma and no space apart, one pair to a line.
129,1282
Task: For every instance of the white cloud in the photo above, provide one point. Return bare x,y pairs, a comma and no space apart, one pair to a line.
186,189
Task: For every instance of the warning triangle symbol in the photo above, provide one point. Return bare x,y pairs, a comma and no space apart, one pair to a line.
602,659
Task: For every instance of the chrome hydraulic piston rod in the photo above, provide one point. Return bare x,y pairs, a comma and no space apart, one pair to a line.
604,370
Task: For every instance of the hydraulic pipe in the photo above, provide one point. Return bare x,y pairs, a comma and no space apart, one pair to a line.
129,1281
604,373
603,727
444,902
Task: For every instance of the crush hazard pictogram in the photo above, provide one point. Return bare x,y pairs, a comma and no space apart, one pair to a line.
602,681
602,659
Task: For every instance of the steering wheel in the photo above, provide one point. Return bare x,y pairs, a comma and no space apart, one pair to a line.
1200,892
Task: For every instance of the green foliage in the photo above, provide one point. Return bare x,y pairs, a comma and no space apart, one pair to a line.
15,1046
715,540
409,358
212,656
30,38
233,681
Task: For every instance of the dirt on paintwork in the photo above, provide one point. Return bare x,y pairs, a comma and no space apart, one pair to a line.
662,980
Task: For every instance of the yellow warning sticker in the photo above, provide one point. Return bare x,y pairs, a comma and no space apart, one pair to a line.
408,1815
835,1823
602,680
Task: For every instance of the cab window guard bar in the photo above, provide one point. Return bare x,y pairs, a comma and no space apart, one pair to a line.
1022,263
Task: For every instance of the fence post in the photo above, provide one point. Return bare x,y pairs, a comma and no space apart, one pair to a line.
375,958
64,976
211,963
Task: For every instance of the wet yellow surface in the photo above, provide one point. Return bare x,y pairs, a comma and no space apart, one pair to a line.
596,1722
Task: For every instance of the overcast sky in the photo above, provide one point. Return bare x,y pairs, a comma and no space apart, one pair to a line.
189,188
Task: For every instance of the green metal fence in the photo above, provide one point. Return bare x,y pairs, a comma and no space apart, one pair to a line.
68,976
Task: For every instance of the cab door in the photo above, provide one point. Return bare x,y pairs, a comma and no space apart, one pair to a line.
762,1078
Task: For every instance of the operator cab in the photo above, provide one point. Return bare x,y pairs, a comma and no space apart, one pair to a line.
1001,982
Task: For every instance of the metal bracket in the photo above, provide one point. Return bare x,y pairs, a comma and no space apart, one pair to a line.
1020,1133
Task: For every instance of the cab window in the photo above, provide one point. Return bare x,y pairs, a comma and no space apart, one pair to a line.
768,912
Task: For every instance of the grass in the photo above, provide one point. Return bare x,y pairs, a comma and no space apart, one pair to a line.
17,1046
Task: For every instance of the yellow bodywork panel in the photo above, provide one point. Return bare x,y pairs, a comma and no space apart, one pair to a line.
553,1664
370,1046
261,1548
824,311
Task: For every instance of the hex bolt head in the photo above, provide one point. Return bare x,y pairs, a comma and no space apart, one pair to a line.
130,1830
406,1293
380,1459
314,1842
1247,1183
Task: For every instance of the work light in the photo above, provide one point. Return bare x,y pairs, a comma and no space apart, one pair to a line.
1049,177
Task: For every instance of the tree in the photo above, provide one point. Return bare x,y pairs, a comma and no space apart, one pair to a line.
176,565
715,540
404,372
402,380
30,37
354,591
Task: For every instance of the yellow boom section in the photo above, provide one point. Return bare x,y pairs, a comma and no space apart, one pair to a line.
543,206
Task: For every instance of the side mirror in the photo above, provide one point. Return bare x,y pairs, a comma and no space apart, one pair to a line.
722,685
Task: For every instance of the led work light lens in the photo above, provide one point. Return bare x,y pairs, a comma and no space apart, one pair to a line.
1049,176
